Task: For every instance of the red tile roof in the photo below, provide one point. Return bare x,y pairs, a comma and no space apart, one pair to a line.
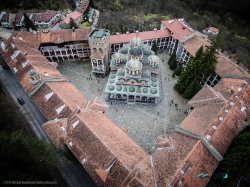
18,17
149,35
195,121
178,28
97,55
192,45
96,104
56,130
34,17
46,16
231,120
59,36
5,17
205,96
213,29
225,68
74,15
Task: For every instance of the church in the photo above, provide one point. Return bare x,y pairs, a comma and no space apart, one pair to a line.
134,74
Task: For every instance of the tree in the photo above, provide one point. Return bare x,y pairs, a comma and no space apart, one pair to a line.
154,47
72,24
24,158
236,160
28,23
173,64
91,3
191,90
171,57
178,70
190,72
209,58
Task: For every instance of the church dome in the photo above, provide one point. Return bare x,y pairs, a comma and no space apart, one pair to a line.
135,51
136,42
153,58
131,89
147,50
134,64
153,91
117,55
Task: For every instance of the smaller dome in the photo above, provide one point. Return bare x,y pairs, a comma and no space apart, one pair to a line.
119,88
153,91
131,89
136,41
153,58
111,87
134,64
111,81
112,76
153,79
135,51
124,50
145,90
153,84
147,50
117,55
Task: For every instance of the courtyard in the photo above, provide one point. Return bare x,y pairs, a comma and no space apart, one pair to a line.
143,122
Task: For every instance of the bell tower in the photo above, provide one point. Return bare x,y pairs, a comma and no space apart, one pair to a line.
99,42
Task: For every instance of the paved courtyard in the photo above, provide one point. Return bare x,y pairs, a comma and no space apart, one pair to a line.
144,123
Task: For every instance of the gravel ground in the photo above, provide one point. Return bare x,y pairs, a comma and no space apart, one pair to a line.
144,123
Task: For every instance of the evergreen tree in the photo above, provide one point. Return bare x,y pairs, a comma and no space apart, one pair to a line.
28,23
91,3
236,160
154,47
173,64
72,24
22,157
209,58
178,70
191,90
190,72
171,57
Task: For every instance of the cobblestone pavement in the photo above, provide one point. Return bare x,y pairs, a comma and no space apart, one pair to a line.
144,123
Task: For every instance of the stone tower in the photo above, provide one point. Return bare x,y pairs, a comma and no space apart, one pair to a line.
99,43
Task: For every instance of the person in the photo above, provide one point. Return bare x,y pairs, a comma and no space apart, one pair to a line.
98,89
111,103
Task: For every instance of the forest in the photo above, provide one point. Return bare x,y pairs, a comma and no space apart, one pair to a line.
230,17
22,156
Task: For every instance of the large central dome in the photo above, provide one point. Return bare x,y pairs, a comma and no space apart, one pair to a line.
136,42
134,64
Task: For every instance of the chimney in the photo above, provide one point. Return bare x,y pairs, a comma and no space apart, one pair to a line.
73,29
34,76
